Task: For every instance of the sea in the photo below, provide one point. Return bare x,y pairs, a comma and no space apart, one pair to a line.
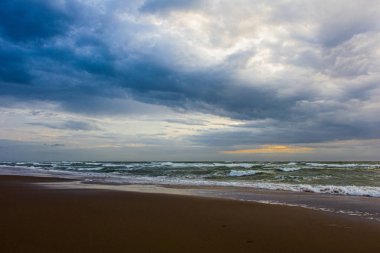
351,188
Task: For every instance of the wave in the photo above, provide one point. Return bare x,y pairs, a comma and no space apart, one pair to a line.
204,165
344,165
289,169
88,168
351,190
285,167
242,173
368,191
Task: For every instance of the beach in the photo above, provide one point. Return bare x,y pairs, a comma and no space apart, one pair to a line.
41,219
168,126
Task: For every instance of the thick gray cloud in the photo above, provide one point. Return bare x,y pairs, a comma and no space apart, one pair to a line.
310,70
31,20
288,133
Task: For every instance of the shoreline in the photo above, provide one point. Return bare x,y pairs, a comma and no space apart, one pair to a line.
41,219
358,207
366,208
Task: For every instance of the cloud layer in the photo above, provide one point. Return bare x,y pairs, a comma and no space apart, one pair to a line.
287,72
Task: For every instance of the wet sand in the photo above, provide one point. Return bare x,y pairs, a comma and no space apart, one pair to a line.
38,219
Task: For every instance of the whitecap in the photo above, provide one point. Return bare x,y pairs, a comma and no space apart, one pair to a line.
241,173
289,169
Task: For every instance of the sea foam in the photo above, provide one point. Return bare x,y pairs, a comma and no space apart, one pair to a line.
241,173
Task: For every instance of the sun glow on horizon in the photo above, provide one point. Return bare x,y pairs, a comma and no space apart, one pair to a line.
270,149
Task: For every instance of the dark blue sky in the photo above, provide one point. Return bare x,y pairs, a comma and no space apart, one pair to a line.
189,80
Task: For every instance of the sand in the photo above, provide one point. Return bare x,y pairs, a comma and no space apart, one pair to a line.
38,219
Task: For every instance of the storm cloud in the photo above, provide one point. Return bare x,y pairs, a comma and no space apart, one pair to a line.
309,70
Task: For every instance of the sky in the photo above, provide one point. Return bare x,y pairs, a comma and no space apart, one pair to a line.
189,80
